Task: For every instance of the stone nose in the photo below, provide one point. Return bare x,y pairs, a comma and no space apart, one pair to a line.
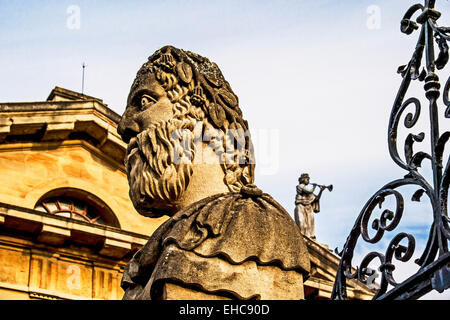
127,128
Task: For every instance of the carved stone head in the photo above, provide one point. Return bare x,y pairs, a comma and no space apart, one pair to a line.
180,105
304,178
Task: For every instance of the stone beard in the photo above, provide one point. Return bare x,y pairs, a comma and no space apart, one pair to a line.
160,160
159,164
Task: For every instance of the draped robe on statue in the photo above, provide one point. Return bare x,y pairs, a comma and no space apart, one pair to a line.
305,206
236,245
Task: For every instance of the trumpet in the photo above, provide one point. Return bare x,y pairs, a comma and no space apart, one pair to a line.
330,187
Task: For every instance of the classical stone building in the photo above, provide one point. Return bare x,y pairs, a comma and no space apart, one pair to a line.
67,226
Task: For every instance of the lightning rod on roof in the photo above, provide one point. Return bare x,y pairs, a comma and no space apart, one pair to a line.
84,65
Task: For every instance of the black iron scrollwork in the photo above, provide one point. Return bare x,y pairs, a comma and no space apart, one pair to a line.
434,272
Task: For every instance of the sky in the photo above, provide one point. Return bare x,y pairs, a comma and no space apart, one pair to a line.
316,80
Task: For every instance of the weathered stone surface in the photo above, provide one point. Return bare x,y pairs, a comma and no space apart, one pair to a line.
178,120
247,280
36,271
190,157
234,244
172,291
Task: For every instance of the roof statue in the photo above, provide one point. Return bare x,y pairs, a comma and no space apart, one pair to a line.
307,203
190,157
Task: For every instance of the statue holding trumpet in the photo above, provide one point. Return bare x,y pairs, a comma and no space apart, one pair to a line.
307,203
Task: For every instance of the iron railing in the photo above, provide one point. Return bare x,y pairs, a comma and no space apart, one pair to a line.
433,271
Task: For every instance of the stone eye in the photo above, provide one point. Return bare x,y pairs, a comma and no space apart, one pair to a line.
146,100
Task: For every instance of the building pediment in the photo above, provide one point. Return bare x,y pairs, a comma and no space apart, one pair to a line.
65,117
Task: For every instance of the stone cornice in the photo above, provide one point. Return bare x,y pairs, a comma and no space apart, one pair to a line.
55,230
324,264
56,121
42,106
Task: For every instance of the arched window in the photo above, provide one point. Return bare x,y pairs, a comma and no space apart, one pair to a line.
78,205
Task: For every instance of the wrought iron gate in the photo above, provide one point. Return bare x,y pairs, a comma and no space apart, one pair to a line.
434,272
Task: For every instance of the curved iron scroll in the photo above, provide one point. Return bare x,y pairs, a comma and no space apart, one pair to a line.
434,272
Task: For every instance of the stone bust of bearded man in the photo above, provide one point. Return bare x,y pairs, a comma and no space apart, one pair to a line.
190,157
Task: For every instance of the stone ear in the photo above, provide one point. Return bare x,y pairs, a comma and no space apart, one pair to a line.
184,71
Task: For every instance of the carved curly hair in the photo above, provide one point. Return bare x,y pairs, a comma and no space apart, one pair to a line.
199,91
